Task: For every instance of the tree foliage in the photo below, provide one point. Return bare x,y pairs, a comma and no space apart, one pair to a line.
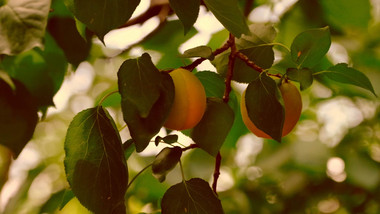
96,147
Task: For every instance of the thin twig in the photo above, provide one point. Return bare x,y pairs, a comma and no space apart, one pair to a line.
248,7
249,62
192,146
198,61
151,12
218,161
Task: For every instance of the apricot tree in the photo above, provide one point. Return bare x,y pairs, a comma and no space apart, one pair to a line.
41,40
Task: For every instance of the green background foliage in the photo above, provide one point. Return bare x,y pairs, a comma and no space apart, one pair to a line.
80,118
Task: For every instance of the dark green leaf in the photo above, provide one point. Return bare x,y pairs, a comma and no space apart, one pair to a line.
102,16
139,83
129,148
212,82
142,129
53,203
65,33
22,24
309,47
18,116
165,161
304,76
263,107
200,51
95,165
187,12
42,72
261,33
67,196
193,197
263,56
230,15
344,74
211,132
347,13
170,139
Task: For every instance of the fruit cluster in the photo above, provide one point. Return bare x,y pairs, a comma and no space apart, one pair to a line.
190,104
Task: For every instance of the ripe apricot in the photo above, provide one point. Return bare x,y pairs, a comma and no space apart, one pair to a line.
189,102
292,104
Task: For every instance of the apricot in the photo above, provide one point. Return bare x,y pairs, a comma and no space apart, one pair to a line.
189,102
292,104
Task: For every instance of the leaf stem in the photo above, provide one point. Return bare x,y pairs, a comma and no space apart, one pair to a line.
139,173
106,96
182,173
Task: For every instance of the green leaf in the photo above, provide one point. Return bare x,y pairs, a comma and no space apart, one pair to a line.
193,197
41,72
129,148
169,139
200,51
95,165
263,56
304,76
65,33
102,16
347,13
187,12
18,116
210,133
22,24
212,82
261,33
230,15
165,161
309,47
263,107
344,74
152,84
139,83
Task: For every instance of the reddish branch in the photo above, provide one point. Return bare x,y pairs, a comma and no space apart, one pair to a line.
249,62
231,64
198,61
191,146
151,12
218,162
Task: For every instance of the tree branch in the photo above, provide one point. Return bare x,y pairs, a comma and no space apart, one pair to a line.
198,61
218,162
152,11
249,62
231,64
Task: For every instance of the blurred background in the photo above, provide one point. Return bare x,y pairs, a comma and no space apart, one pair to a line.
330,163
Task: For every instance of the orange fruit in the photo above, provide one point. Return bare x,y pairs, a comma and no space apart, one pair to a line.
189,102
293,107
